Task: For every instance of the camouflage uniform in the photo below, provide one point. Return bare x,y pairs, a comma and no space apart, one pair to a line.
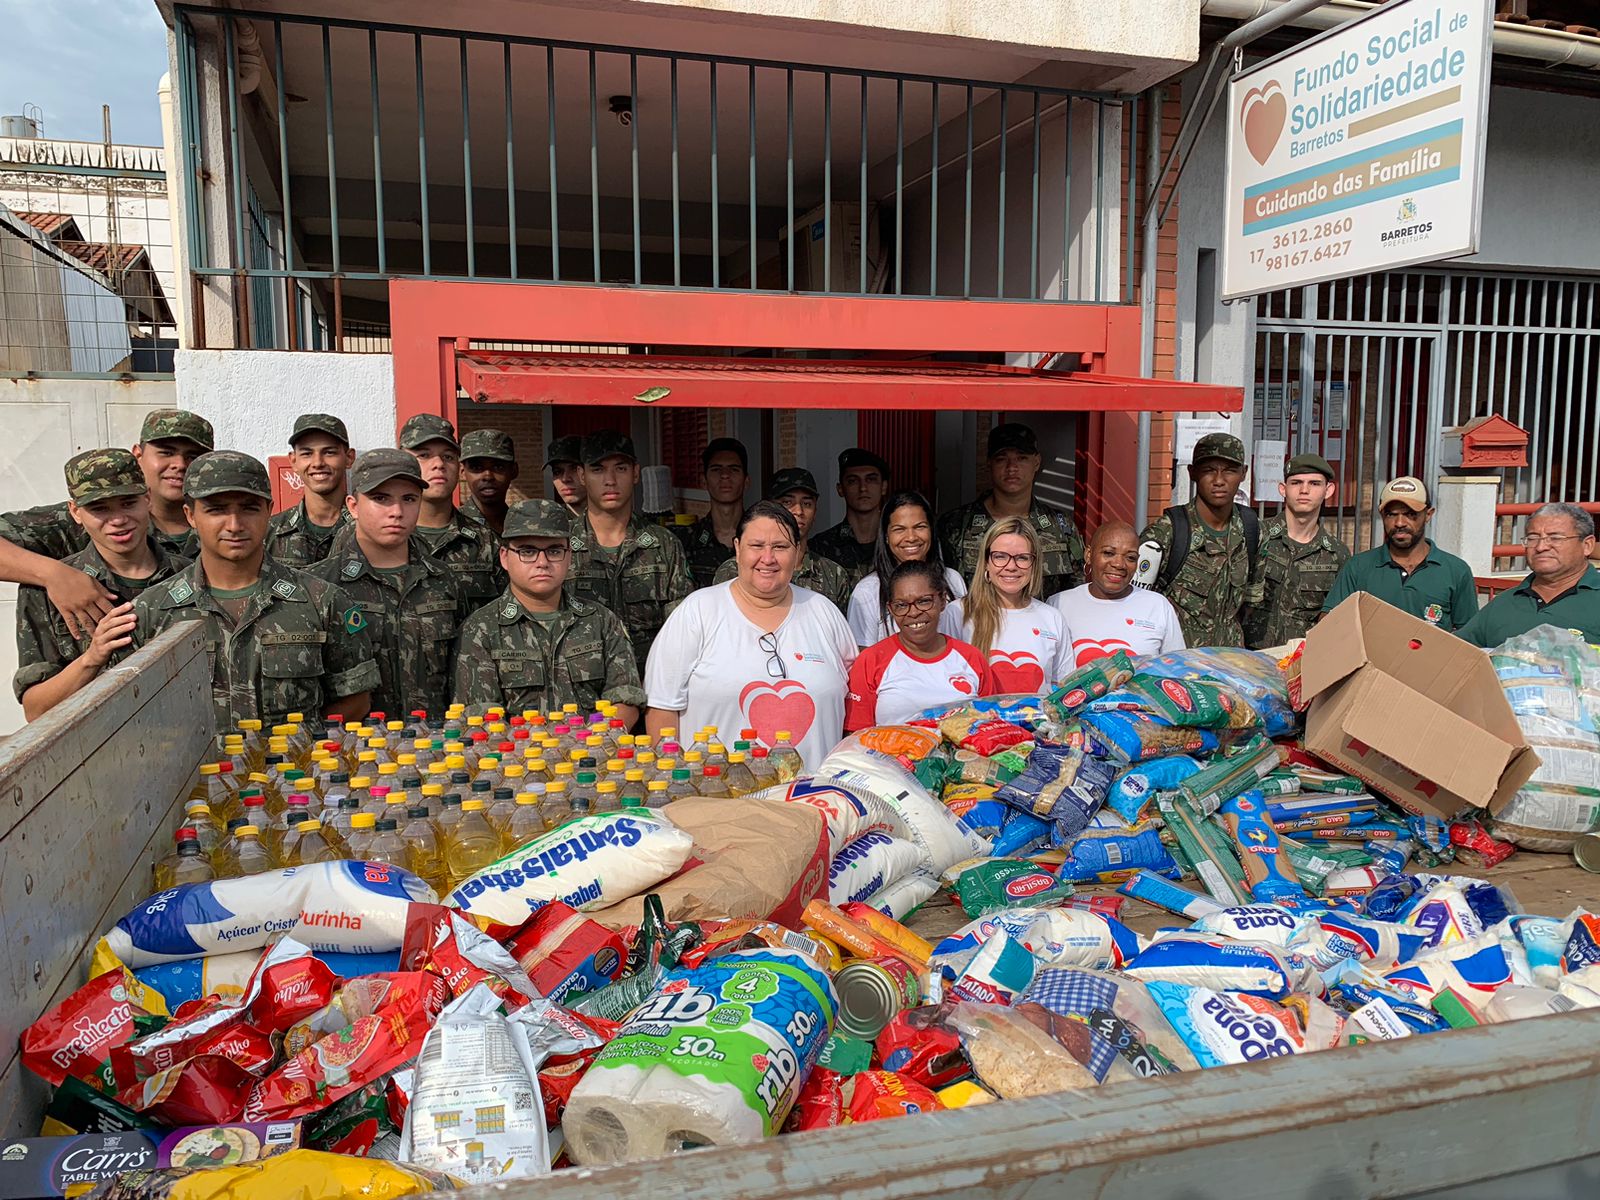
300,644
961,533
294,541
465,546
705,555
815,573
839,545
1293,579
641,580
485,443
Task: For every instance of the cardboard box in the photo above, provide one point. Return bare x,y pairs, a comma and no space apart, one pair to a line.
1414,712
46,1167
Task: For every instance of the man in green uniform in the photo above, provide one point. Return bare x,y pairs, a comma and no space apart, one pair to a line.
565,463
464,546
1299,557
33,542
708,543
620,561
279,640
796,489
108,497
1014,462
537,647
863,483
1408,571
319,450
1208,547
409,599
1562,589
488,467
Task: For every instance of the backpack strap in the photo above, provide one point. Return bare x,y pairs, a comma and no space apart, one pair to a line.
1252,533
1178,515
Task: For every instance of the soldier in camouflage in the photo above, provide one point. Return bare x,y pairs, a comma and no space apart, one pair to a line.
464,546
537,647
620,561
796,489
1215,581
1300,557
863,484
564,461
279,640
108,497
708,543
1014,462
488,468
409,599
319,450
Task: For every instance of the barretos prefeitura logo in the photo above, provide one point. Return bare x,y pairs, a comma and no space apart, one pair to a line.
1410,229
1262,117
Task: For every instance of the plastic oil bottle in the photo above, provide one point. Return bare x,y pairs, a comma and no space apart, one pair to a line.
526,823
432,801
557,803
191,863
246,854
677,788
316,843
785,757
607,798
449,817
385,844
424,853
712,783
741,781
633,791
583,795
363,828
474,843
762,767
657,794
296,812
500,811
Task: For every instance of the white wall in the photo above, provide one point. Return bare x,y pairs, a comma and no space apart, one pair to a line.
252,397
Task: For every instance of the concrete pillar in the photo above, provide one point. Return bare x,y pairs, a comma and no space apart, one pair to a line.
1463,522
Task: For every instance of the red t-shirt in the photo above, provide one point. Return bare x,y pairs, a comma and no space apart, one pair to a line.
889,684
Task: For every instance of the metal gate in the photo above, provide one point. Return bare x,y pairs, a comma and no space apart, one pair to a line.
1369,371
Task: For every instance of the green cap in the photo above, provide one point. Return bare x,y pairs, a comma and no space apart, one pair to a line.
1308,464
427,427
380,466
1012,435
791,479
1220,445
489,443
608,443
537,518
102,474
176,424
565,450
226,471
319,423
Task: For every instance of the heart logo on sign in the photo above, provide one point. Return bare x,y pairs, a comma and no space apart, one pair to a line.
1262,115
1086,650
771,706
1018,671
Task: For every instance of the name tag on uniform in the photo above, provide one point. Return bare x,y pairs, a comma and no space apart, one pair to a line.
294,637
585,648
435,606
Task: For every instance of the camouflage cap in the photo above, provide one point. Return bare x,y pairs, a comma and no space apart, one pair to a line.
791,479
319,423
608,443
1220,445
102,474
564,450
856,456
427,427
176,424
226,471
380,466
537,518
489,443
1308,464
1012,435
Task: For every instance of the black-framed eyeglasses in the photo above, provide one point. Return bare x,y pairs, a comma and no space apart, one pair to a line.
999,558
531,554
769,644
902,608
1549,539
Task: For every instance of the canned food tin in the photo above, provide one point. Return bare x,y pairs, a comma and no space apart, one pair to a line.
1586,851
871,991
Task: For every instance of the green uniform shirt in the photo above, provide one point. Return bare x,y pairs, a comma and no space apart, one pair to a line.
45,648
1214,584
1294,579
50,530
472,553
1440,590
815,574
295,542
469,509
839,544
301,644
1520,609
702,550
412,617
961,533
641,580
579,654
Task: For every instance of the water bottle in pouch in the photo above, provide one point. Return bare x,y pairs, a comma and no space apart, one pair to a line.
1149,565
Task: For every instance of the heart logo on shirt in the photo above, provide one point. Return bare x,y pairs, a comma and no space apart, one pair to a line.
961,684
771,706
1086,650
1017,671
1129,620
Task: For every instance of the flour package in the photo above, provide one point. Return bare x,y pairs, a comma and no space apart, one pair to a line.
917,815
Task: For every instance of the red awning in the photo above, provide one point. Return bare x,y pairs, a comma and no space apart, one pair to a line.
531,377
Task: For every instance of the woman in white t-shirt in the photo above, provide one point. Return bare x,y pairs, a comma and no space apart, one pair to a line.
916,667
1024,640
1108,613
755,652
905,534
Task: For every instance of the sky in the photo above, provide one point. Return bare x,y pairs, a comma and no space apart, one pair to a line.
71,56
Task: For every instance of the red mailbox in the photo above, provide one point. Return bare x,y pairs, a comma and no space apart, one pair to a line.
1490,441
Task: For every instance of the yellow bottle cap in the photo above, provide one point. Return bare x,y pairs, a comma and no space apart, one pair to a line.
657,785
693,756
437,768
198,806
388,768
397,726
555,785
367,756
361,781
456,762
564,768
716,748
433,789
535,763
605,787
634,775
577,755
736,757
282,731
308,826
665,764
625,739
472,806
613,765
641,741
376,743
406,760
645,758
514,770
497,727
784,735
363,821
489,762
259,777
210,768
424,743
250,725
527,797
668,731
243,830
455,747
569,708
396,798
297,718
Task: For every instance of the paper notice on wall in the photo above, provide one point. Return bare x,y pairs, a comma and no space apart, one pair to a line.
1268,472
1189,430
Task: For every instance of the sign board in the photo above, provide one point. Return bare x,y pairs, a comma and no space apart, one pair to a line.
1360,150
1188,431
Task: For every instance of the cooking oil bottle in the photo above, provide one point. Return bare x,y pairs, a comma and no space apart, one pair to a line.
741,781
762,767
712,783
363,828
313,842
557,803
474,843
245,854
191,863
785,757
424,853
527,822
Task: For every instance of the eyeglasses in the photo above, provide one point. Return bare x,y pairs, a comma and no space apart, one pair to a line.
901,608
1548,539
769,645
999,558
532,554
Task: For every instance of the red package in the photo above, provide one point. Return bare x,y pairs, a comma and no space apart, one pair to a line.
564,952
820,1104
242,1044
1472,836
341,1062
991,737
557,1080
925,1054
361,997
876,1095
443,941
77,1036
1105,905
207,1090
288,992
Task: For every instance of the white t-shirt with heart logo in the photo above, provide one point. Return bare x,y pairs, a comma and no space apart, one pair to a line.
1032,649
708,664
1142,622
890,684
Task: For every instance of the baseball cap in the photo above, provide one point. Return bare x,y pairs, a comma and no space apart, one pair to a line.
226,471
1220,445
489,443
1308,464
791,479
537,518
319,423
1408,489
177,424
725,445
381,465
427,427
598,447
564,450
857,457
102,474
1012,435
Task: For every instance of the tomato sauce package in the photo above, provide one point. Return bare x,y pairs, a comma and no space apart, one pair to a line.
205,1090
914,1047
820,1104
565,953
877,1095
441,940
77,1036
